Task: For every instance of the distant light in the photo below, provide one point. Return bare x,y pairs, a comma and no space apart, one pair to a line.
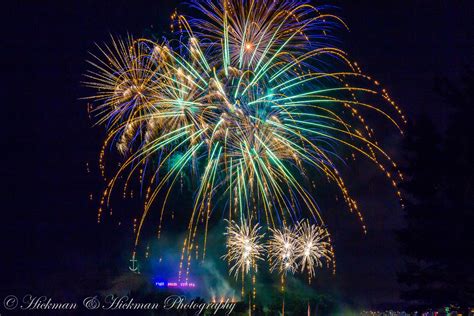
182,285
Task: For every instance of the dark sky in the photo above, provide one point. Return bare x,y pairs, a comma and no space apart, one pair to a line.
48,226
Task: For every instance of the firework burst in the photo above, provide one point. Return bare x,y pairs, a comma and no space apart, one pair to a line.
313,247
244,247
253,102
282,247
253,34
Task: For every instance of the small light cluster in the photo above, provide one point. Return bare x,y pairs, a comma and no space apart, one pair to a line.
174,284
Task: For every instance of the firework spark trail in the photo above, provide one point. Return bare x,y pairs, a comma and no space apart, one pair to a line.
251,102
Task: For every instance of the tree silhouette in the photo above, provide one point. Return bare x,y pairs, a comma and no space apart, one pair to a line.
438,241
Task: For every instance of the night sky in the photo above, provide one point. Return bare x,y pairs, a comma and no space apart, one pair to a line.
50,239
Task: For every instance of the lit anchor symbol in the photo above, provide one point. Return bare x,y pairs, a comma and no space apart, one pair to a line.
134,267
